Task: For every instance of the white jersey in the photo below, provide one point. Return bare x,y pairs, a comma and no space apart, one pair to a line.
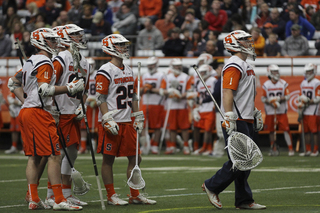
155,80
243,97
309,89
273,90
92,86
180,83
120,90
210,82
30,82
68,103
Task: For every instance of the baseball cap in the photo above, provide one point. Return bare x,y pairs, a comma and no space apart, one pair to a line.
268,25
296,27
98,16
176,30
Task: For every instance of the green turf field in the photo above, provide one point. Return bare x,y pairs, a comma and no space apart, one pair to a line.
283,184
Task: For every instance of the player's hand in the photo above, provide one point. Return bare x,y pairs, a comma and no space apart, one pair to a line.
191,95
301,105
196,114
77,85
109,125
229,122
304,99
174,93
79,112
138,121
11,110
258,120
146,88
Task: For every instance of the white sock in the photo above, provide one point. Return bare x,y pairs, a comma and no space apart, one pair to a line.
66,192
287,138
49,193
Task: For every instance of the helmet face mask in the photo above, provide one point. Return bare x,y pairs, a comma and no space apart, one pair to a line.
116,45
45,39
205,71
310,71
273,72
152,64
71,33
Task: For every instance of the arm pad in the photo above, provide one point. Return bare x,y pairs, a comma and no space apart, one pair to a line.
12,85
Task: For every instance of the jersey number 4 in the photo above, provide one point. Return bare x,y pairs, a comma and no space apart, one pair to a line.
124,93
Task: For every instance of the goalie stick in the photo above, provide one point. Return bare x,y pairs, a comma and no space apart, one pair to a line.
75,54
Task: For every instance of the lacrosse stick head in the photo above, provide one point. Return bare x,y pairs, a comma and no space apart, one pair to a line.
243,151
80,187
136,181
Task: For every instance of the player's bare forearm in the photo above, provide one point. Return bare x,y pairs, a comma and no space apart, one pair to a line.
84,97
135,107
60,90
104,108
227,99
19,94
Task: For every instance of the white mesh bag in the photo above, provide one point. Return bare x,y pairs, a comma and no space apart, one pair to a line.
243,151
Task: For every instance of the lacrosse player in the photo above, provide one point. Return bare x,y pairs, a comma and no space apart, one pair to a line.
309,100
175,86
275,96
116,97
203,115
237,105
152,102
69,106
38,128
92,110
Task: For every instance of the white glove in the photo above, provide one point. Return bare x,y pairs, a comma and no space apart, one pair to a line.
77,85
138,121
10,99
46,90
274,101
229,122
191,95
258,120
79,112
195,114
109,125
174,93
304,99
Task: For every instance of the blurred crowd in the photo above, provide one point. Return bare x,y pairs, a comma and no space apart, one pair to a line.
177,28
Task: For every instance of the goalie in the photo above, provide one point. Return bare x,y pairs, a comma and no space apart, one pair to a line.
237,95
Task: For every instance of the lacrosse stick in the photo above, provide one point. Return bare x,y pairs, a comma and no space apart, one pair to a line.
146,148
135,180
75,55
275,147
163,132
243,151
80,187
300,119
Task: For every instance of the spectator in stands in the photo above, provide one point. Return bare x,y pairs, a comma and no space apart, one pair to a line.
214,36
235,23
102,6
150,38
263,15
17,30
190,22
247,12
8,19
100,26
174,46
230,7
203,26
196,45
30,19
150,9
216,17
27,47
307,30
278,24
50,10
74,14
6,4
182,8
115,5
259,41
40,3
272,48
202,9
185,35
284,15
315,20
63,18
211,48
309,12
63,5
296,44
86,18
5,44
313,3
127,23
317,46
176,19
266,31
164,25
134,8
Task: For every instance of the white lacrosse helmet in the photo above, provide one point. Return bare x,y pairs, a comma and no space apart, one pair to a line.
152,64
205,71
273,72
45,39
116,45
71,33
310,67
204,58
239,41
176,66
92,64
56,29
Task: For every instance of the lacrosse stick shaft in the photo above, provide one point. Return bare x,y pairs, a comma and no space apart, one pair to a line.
302,134
204,84
21,49
64,146
275,125
89,133
137,142
164,125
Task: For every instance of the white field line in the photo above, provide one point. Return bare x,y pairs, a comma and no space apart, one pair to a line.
194,194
